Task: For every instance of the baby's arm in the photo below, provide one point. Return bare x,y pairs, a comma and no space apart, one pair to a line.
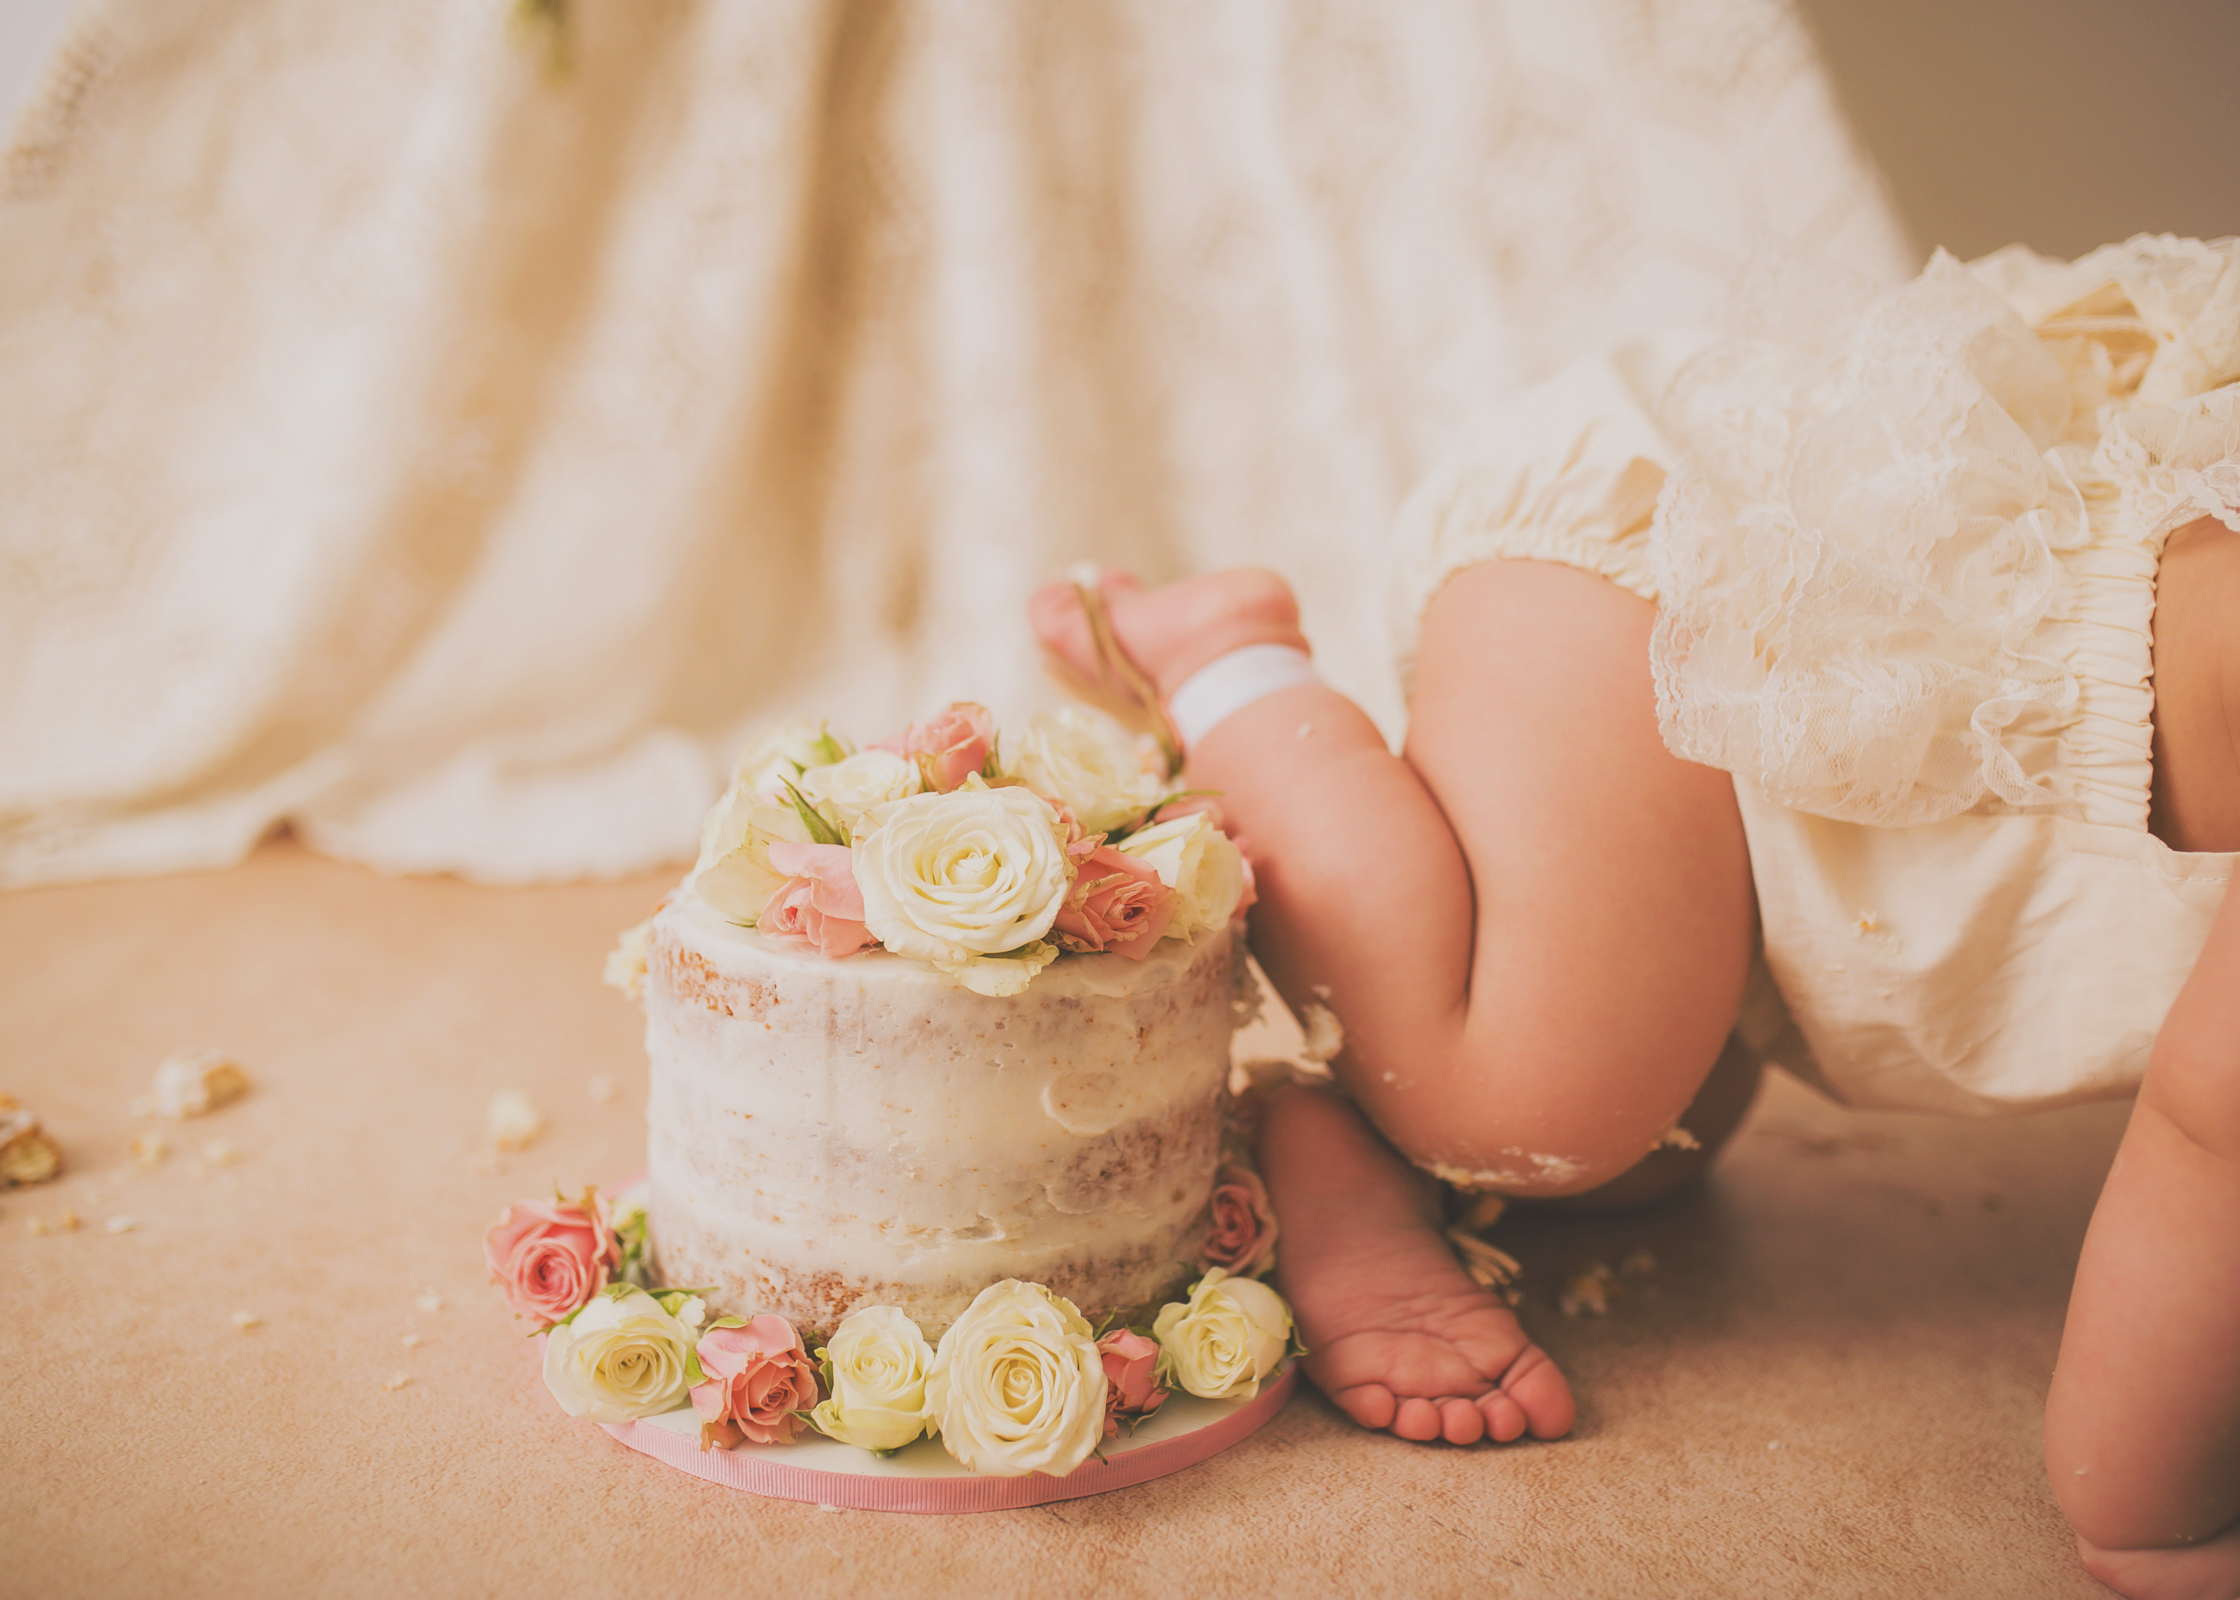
2143,1422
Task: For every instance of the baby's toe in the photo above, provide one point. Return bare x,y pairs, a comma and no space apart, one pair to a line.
1540,1395
1461,1422
1054,612
1417,1421
1504,1418
1369,1404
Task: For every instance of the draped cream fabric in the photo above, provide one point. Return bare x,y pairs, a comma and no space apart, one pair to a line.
451,445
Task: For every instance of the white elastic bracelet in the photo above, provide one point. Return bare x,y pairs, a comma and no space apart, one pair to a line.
1227,684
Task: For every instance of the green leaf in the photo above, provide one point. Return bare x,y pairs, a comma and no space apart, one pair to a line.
820,831
727,1322
827,746
1032,947
693,1372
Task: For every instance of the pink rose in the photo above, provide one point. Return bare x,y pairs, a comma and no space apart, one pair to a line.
758,1377
951,745
1117,904
551,1257
819,904
1131,1386
1243,1240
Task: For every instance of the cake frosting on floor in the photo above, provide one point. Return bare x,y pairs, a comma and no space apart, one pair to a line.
829,1133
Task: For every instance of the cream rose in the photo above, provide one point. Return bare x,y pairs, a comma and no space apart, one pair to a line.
1196,860
875,1364
848,791
1226,1341
1086,761
1018,1384
785,751
735,875
621,1357
949,878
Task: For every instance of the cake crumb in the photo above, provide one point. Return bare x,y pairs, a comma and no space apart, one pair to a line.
600,1088
193,1083
1484,1211
1587,1292
626,962
1488,1267
397,1380
411,1341
1637,1264
1325,1034
431,1301
150,1150
27,1154
1678,1138
247,1321
823,1505
121,1225
1305,729
513,1120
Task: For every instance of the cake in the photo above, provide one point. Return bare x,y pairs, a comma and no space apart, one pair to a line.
824,1134
939,1137
934,1015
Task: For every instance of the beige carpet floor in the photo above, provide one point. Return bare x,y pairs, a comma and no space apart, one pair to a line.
1829,1382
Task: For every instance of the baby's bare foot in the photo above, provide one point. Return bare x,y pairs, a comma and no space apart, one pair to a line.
1397,1335
1171,631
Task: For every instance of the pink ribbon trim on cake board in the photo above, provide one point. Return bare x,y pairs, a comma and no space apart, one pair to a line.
756,1471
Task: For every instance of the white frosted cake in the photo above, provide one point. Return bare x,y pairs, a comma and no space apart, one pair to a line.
823,1134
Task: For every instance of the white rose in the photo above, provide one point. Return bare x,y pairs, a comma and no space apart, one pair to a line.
1086,761
735,875
620,1358
1017,1385
950,877
785,751
876,1364
1196,860
847,791
1226,1341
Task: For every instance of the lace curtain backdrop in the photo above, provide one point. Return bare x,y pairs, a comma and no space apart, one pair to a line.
450,436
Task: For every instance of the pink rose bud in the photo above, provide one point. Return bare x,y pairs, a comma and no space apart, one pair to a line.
758,1376
951,745
1117,904
819,905
550,1257
1243,1240
1132,1389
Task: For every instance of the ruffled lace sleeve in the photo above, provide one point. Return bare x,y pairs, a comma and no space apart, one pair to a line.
1567,470
1872,548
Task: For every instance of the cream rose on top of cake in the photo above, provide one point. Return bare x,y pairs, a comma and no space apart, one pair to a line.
1196,860
970,881
849,790
1086,762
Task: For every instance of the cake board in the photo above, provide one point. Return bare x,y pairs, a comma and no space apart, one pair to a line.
923,1477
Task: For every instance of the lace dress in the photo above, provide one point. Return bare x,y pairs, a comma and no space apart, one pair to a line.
1904,546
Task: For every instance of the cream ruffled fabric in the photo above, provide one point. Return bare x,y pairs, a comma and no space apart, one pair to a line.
1906,559
453,453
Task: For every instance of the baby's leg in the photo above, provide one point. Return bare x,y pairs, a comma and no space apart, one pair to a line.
1534,928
